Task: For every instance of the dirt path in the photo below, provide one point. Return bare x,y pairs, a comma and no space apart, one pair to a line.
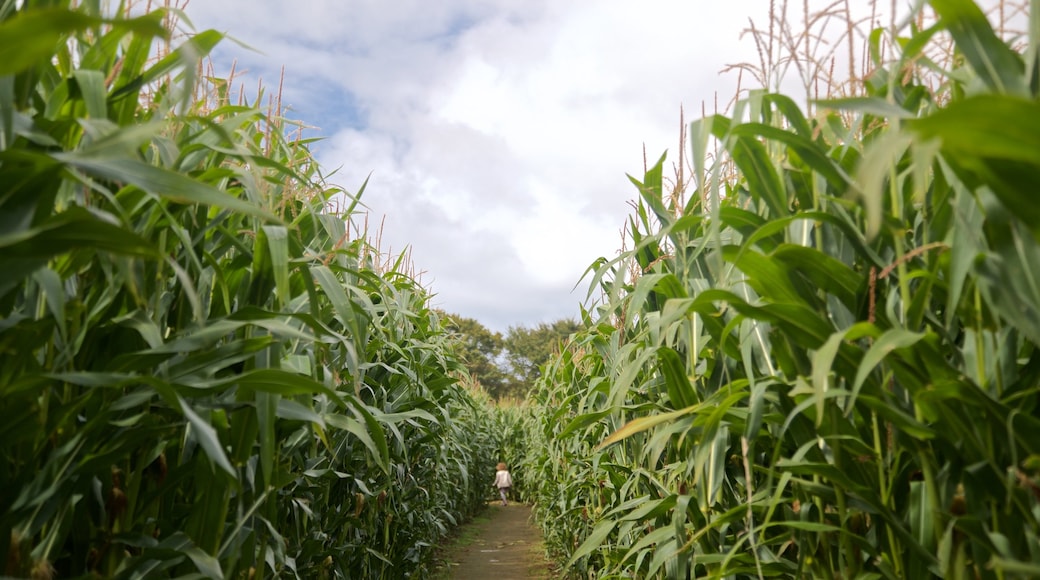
502,543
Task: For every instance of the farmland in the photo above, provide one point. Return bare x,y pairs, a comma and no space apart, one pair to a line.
815,357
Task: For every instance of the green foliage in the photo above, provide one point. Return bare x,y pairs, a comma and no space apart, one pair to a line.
527,349
511,425
480,349
202,371
825,363
508,368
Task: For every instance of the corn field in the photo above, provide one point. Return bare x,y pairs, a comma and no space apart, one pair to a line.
205,371
817,356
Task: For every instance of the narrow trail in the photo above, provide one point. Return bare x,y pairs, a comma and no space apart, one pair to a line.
502,543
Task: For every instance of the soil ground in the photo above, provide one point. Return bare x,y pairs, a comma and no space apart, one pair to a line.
501,543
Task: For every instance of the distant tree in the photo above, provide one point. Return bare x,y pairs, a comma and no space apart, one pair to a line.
527,349
507,367
481,350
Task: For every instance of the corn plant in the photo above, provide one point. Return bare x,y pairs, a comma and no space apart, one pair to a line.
823,362
204,370
512,424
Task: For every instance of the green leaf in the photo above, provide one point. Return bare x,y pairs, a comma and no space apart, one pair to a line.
650,542
999,67
874,173
643,423
790,110
870,105
54,294
812,154
919,514
804,526
1027,569
768,277
278,244
986,126
73,228
584,420
762,179
367,436
276,381
162,182
186,55
266,409
824,470
207,438
651,509
994,141
593,541
30,37
92,88
821,369
680,391
889,341
898,418
337,296
823,271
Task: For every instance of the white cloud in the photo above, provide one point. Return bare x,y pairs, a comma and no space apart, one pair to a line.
497,133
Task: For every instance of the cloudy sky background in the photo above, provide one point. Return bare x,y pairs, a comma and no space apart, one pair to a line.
497,132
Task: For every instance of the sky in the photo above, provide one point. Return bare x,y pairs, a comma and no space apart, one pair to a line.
496,135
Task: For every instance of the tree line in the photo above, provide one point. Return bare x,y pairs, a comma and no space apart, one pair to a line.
508,365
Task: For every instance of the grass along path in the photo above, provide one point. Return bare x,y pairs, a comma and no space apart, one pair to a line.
501,543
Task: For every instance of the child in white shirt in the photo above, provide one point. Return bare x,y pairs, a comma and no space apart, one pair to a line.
503,481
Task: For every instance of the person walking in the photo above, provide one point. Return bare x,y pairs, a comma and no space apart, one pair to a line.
503,481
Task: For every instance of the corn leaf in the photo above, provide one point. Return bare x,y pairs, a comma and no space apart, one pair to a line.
996,64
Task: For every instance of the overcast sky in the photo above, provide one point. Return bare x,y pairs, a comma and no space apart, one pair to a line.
497,132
